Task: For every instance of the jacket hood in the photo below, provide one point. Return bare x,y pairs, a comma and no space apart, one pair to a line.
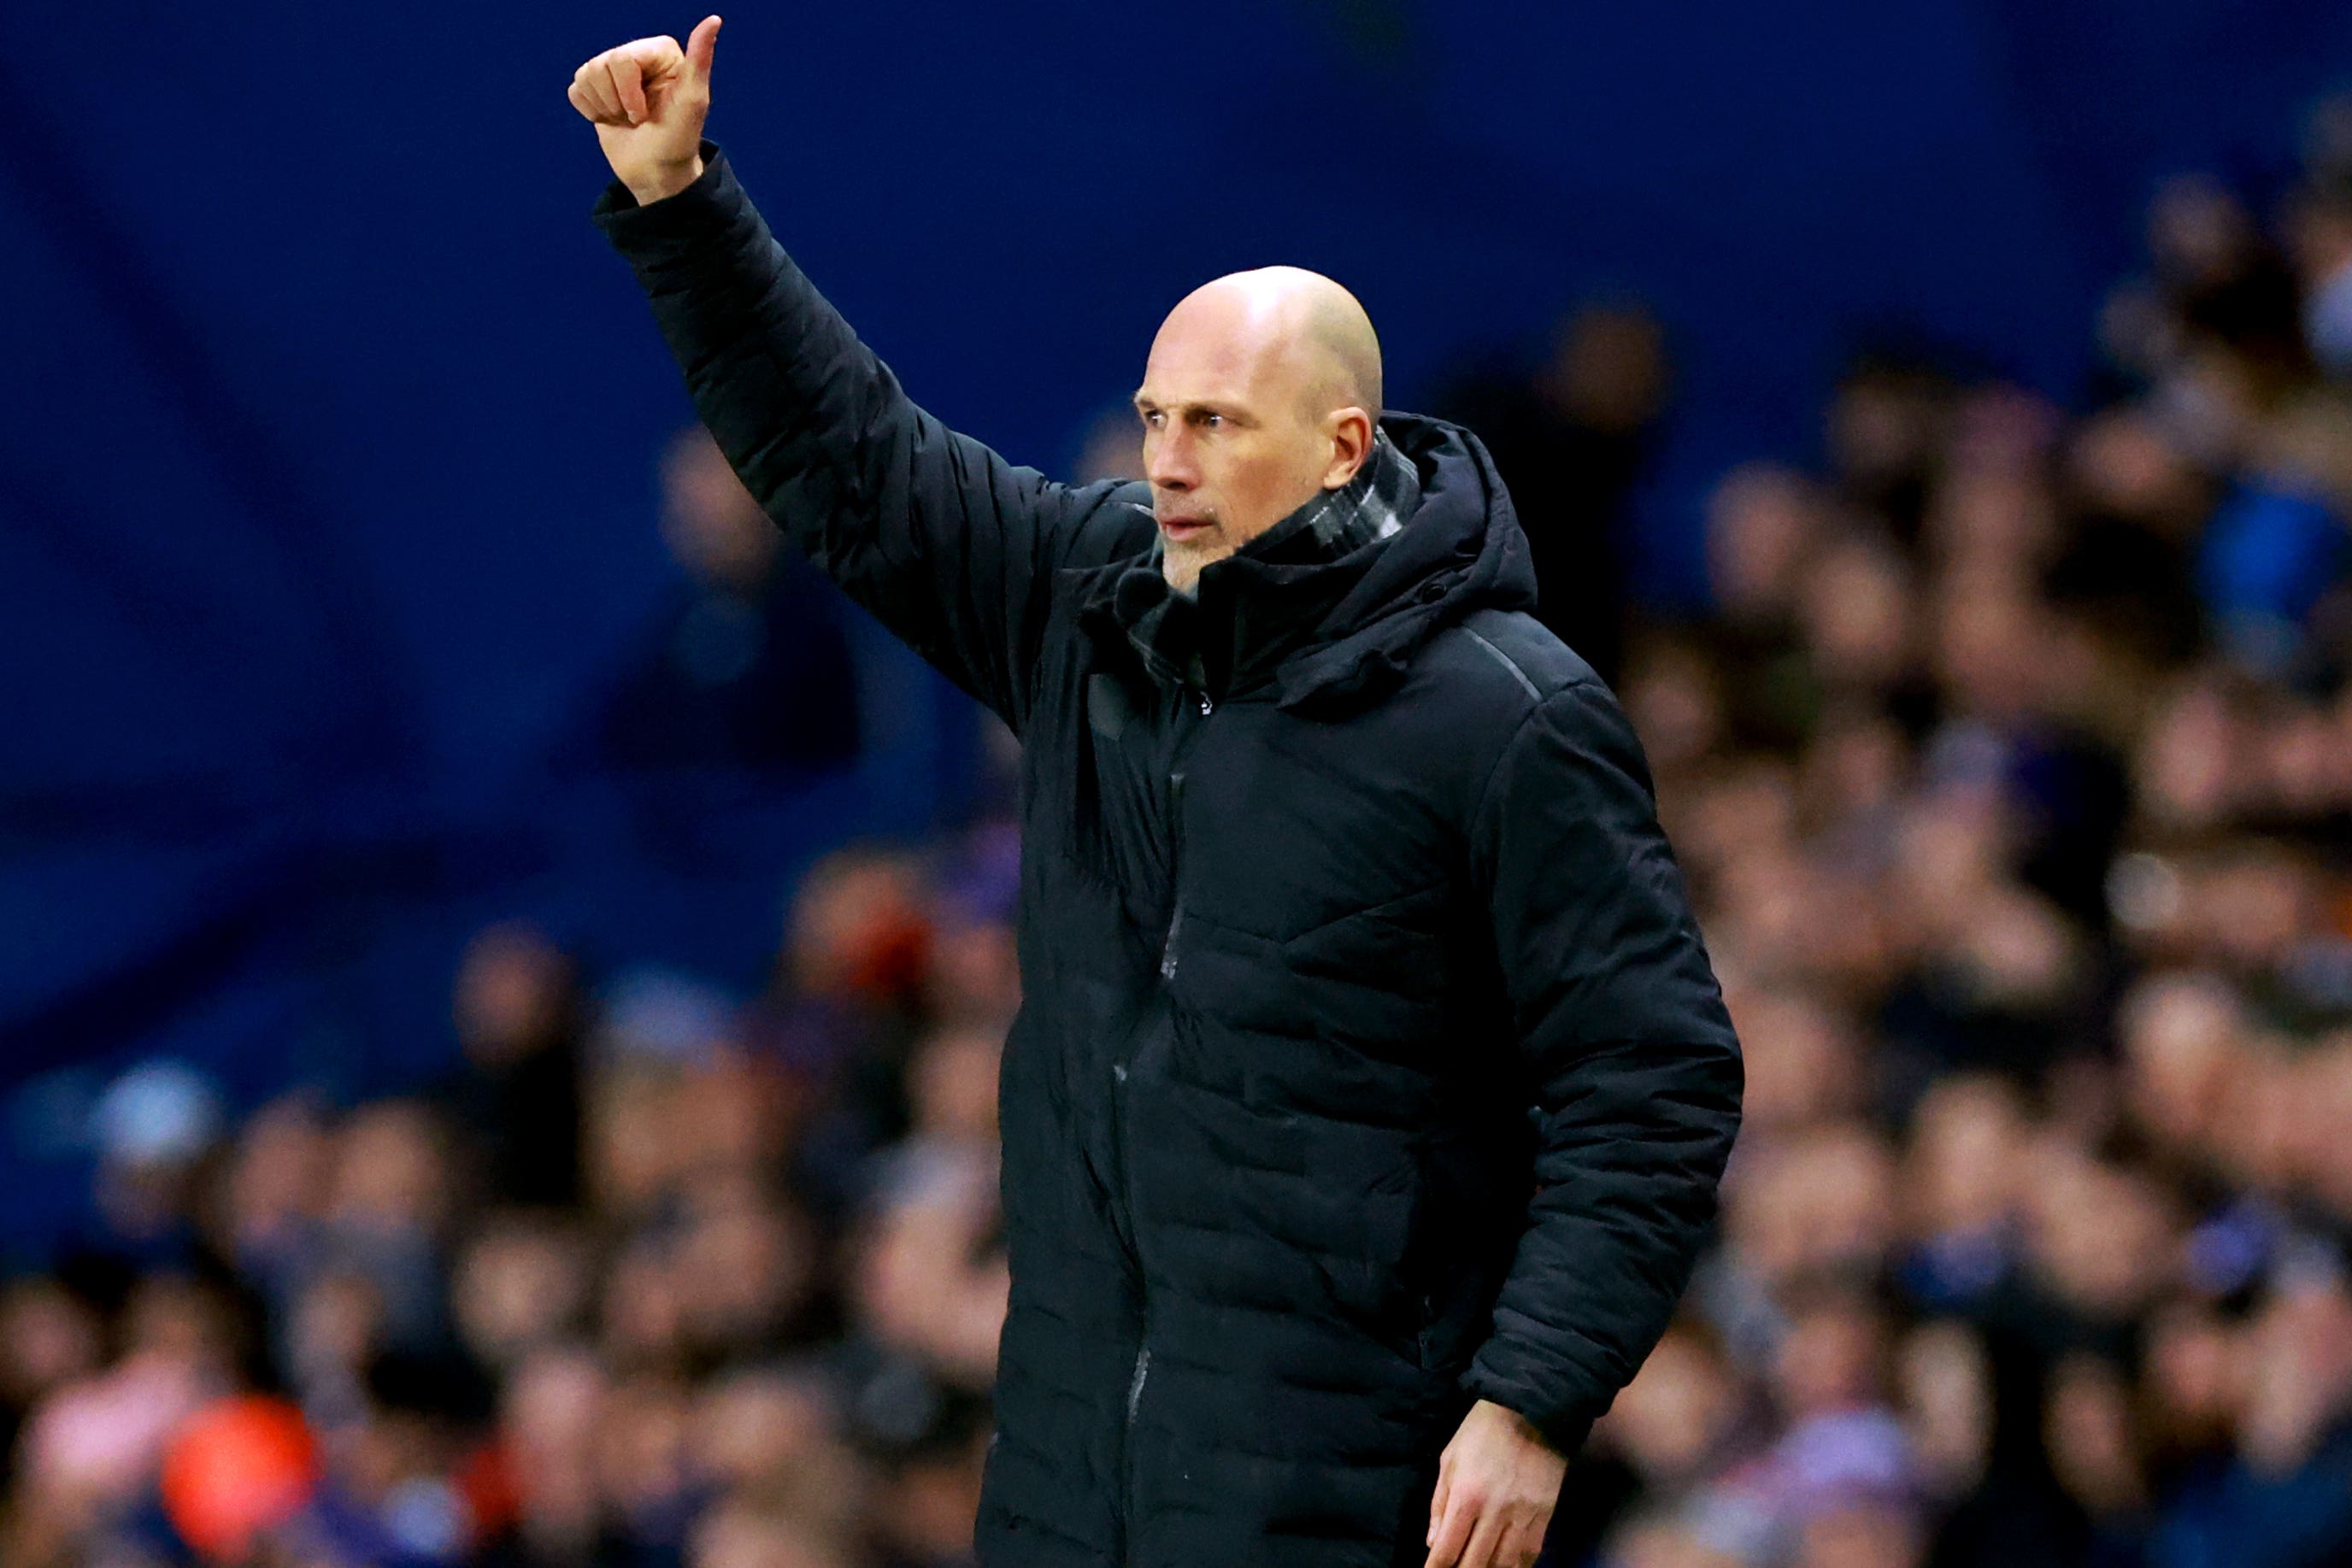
1338,631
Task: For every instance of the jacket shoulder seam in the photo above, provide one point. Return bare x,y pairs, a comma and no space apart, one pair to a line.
1507,663
1511,744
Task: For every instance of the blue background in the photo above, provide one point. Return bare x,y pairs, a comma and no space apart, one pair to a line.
332,424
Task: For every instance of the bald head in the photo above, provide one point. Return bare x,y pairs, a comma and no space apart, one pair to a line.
1307,332
1263,388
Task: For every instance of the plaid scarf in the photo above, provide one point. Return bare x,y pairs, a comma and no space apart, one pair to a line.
1369,509
1371,506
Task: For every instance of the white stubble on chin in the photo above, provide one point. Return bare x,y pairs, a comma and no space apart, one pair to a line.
1181,564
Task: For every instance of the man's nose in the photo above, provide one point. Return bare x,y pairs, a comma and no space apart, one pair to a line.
1169,464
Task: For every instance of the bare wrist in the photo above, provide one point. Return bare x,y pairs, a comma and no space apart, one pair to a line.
667,182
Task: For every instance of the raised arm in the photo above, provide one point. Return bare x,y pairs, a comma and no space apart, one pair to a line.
946,543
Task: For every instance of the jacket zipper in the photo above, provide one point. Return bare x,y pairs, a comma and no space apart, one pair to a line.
1175,859
1176,855
1167,956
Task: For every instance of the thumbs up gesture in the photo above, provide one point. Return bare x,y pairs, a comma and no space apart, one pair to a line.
647,99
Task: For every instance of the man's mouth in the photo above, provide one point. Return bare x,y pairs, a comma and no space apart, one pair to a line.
1183,530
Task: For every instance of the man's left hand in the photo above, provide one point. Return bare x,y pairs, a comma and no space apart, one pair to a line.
1496,1484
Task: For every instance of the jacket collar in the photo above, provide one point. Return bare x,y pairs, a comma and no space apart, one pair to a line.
1324,628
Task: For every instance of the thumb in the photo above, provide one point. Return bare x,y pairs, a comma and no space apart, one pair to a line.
699,46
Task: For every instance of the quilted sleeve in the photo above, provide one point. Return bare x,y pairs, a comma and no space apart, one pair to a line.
1635,1069
943,541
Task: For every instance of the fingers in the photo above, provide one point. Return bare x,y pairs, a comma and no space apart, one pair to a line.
598,92
700,44
1453,1533
591,92
654,60
1508,1536
1468,1531
1523,1545
611,87
628,88
1437,1504
1484,1541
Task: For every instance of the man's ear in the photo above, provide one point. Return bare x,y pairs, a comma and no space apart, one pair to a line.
1351,431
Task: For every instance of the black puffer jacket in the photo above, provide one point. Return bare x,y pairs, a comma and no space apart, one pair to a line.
1370,1061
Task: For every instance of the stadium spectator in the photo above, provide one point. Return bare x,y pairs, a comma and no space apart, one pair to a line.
1570,438
748,667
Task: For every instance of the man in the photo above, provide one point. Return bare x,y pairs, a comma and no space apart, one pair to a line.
1371,1087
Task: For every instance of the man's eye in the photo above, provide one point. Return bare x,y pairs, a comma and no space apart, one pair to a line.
1212,420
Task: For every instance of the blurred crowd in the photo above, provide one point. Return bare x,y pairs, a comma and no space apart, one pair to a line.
2013,774
659,1276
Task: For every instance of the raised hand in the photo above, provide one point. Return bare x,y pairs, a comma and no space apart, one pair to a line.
647,99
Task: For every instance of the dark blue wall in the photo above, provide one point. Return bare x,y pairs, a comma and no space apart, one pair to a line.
330,424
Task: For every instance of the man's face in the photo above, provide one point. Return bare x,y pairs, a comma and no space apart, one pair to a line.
1233,441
